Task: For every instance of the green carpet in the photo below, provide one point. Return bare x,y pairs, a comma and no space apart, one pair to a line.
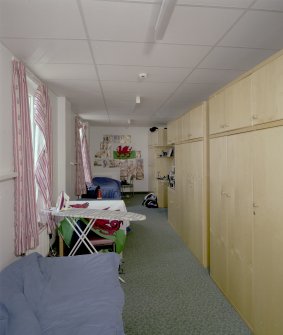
167,292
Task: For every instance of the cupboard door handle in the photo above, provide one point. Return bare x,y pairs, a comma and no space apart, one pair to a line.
226,194
255,205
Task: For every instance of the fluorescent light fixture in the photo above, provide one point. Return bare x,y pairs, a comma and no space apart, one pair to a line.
166,10
138,99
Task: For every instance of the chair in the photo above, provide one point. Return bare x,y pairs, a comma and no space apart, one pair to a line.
128,186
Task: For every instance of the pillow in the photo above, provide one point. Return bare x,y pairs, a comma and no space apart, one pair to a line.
3,319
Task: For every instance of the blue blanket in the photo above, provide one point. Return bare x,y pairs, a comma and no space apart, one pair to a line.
78,295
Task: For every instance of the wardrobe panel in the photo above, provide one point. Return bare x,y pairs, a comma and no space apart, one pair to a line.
218,212
268,231
240,222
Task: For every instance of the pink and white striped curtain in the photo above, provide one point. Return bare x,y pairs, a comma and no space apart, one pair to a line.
85,153
83,167
80,175
43,168
26,226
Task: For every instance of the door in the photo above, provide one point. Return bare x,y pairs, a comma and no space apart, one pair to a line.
267,92
239,198
268,231
238,104
217,120
218,212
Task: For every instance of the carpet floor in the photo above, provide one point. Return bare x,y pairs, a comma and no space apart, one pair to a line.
167,292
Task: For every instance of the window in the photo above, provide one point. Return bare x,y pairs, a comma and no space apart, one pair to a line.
38,143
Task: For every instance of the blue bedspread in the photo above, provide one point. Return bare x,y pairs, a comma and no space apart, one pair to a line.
78,295
111,188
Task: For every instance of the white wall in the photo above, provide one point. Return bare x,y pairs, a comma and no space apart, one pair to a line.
139,142
6,160
65,148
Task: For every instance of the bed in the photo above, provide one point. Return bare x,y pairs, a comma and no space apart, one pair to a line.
110,188
62,296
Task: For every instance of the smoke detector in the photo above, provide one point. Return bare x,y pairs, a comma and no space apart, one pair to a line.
143,75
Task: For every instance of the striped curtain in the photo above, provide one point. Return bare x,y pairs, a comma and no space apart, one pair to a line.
26,226
43,167
80,175
85,153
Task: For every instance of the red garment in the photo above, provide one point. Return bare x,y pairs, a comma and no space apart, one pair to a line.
106,226
84,205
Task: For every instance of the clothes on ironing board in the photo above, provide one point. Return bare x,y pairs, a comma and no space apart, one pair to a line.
106,229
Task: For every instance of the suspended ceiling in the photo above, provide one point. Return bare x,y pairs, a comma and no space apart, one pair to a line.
92,52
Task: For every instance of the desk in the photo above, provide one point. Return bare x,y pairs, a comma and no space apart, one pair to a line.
93,213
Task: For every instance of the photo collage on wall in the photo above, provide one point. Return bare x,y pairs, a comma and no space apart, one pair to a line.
116,152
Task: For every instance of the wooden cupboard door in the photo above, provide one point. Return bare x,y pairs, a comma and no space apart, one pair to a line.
170,132
185,125
217,119
172,207
239,195
218,214
151,170
238,104
186,195
197,122
178,187
178,134
267,92
184,227
268,231
196,206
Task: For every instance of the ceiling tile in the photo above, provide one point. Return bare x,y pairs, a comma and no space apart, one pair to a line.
40,19
145,1
211,76
64,71
187,96
269,4
199,25
217,3
257,29
34,51
131,73
97,116
120,21
148,54
234,58
83,94
141,89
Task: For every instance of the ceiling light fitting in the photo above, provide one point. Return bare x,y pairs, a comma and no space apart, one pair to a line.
138,99
166,10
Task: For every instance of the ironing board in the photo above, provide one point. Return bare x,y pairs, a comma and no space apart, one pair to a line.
73,214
